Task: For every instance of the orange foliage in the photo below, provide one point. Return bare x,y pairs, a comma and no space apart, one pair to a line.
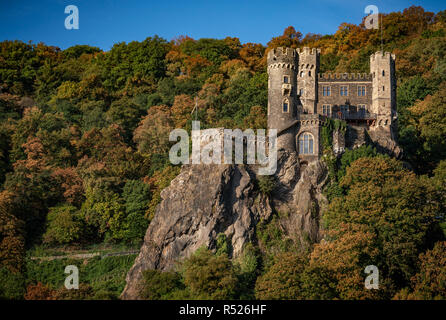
39,292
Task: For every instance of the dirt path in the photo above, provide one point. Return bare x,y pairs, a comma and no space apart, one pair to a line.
87,255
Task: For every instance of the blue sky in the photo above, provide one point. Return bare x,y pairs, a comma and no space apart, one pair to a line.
105,22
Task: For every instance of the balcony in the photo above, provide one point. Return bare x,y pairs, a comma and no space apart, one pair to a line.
286,89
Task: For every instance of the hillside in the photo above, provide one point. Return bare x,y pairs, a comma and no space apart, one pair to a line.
84,158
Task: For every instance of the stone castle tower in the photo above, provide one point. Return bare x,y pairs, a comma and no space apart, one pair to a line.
300,100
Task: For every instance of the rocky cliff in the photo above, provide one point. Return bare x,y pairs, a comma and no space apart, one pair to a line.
205,200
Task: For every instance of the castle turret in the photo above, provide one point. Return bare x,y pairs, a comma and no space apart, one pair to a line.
307,79
282,95
382,68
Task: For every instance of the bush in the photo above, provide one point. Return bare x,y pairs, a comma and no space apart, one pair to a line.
267,184
12,285
39,292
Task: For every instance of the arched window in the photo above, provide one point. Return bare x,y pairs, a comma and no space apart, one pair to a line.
306,143
285,106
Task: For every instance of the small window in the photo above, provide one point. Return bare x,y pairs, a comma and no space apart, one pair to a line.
301,74
285,106
301,92
344,91
383,88
309,73
384,73
306,143
285,79
326,91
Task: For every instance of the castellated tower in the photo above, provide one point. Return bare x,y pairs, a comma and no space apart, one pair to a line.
282,95
307,79
382,68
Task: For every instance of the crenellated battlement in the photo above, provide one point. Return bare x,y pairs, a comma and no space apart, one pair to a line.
345,76
382,55
308,51
280,54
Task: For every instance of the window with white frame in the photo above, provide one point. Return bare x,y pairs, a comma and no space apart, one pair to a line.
344,91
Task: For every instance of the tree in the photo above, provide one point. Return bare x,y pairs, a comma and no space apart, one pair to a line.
136,195
430,282
283,280
12,241
336,267
159,285
392,203
152,134
64,225
209,276
289,39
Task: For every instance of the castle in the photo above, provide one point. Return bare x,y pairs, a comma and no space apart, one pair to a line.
300,100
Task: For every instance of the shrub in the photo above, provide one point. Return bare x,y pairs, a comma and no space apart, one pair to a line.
39,292
267,184
12,284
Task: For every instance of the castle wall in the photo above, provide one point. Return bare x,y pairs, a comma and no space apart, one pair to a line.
352,82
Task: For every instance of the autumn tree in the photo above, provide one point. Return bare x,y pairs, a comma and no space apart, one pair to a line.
392,203
283,280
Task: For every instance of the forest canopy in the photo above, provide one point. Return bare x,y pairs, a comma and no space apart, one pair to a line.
84,154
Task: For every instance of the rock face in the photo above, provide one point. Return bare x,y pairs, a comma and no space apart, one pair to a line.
205,200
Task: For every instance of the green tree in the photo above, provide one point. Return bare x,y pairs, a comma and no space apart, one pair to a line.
63,225
209,276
